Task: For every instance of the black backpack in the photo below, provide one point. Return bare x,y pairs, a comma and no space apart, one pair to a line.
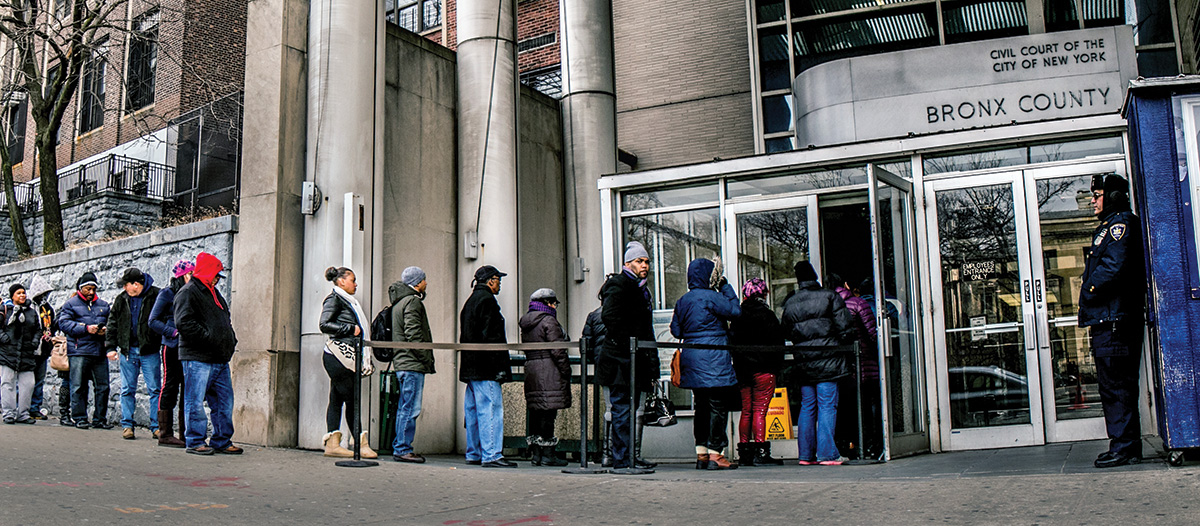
381,331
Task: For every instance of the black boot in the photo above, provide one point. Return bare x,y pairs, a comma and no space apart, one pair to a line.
535,449
548,455
762,455
746,453
638,461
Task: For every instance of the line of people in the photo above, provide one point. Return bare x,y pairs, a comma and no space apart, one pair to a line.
815,321
177,340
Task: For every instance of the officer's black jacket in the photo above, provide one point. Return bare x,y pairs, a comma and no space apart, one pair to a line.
1114,277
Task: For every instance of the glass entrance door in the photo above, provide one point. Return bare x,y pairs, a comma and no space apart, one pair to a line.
1013,368
901,385
1064,223
986,348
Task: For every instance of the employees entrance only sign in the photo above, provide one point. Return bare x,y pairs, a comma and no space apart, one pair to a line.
779,416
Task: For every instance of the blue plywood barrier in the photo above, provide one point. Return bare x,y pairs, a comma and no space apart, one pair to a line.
1161,183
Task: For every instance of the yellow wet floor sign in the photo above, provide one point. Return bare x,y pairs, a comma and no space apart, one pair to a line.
779,416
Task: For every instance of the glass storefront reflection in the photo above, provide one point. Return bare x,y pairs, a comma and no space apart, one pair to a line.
769,244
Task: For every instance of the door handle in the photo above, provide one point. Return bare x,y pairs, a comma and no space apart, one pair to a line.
1043,327
887,337
1030,343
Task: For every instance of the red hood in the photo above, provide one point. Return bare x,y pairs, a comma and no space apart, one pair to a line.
207,267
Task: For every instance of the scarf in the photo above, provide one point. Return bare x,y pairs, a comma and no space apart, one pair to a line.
542,307
358,313
641,282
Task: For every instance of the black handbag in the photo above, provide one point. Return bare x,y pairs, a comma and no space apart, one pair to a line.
658,411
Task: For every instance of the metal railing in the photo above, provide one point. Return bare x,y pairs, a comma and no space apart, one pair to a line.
115,173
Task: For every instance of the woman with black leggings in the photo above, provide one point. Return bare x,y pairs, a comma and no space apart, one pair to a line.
343,320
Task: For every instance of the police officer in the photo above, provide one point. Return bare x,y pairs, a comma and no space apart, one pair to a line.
1111,303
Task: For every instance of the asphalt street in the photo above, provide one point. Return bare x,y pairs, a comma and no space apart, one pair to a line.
54,475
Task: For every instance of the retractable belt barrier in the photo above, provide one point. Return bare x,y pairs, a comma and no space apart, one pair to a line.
633,346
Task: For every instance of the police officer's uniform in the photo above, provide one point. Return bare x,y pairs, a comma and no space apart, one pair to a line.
1111,304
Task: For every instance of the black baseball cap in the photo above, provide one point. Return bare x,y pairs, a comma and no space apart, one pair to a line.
486,272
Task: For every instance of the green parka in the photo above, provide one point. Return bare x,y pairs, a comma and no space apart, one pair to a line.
410,324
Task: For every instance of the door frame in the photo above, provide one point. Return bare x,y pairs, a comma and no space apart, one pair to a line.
1013,435
732,210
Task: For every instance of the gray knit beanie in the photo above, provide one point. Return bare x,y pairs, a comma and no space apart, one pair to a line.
635,250
412,276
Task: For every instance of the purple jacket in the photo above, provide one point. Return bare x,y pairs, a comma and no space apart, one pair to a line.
864,327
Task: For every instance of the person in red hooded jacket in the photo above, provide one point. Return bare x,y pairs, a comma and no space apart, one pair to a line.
206,344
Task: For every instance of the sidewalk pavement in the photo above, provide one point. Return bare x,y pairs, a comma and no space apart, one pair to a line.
54,475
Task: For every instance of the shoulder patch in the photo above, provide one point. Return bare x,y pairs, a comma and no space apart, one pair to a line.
1117,231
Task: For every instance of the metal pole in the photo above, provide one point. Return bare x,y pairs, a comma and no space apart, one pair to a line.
583,468
358,462
858,388
631,450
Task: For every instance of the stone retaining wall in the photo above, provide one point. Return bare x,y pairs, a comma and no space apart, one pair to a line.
154,252
92,218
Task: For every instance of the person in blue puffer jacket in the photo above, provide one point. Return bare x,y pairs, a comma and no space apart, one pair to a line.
83,318
702,316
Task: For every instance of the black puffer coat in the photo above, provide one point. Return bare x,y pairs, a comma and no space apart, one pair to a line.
816,317
548,372
594,334
19,337
338,320
626,313
481,322
756,326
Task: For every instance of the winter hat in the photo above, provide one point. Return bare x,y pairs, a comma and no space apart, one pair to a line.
131,275
1116,191
412,276
804,271
486,272
755,288
87,278
635,250
181,268
544,295
12,289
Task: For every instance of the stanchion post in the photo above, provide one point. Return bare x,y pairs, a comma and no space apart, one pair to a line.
583,468
858,395
631,450
358,462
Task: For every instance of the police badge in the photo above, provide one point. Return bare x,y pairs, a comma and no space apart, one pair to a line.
1117,231
1099,238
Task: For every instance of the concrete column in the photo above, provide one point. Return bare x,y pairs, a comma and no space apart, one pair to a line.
265,298
589,119
341,159
487,146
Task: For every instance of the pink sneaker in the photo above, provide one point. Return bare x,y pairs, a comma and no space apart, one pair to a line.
837,462
807,463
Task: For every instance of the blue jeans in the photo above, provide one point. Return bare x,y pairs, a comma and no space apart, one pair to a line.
39,379
207,382
483,411
818,417
412,384
150,368
85,370
619,399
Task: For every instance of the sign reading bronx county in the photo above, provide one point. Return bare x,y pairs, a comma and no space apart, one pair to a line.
962,86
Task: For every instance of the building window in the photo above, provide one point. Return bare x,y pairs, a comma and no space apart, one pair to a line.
546,80
16,107
51,78
143,57
62,10
417,16
1189,109
91,86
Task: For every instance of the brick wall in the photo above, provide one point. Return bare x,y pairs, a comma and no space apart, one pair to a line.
534,18
201,56
683,80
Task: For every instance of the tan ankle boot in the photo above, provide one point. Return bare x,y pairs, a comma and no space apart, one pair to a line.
366,451
333,445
